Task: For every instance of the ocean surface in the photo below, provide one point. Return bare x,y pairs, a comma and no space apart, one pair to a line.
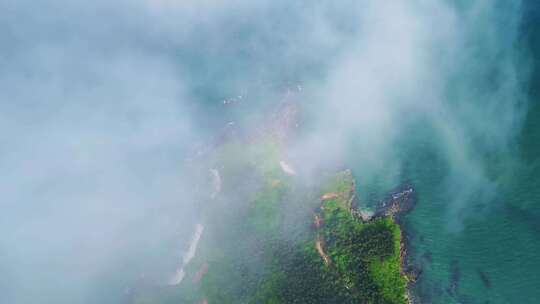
491,255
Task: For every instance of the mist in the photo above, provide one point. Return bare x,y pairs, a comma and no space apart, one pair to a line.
102,106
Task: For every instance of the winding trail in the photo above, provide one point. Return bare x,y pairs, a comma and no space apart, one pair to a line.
287,168
320,249
188,256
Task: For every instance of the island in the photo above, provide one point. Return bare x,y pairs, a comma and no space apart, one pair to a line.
271,237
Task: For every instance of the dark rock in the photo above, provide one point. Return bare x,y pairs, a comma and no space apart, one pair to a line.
399,202
455,276
427,256
484,278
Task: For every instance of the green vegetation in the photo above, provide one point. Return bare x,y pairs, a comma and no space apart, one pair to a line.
386,272
365,256
265,210
363,267
252,256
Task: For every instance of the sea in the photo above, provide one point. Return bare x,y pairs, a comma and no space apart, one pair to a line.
491,255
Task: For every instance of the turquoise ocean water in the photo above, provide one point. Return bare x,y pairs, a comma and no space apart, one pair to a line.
492,255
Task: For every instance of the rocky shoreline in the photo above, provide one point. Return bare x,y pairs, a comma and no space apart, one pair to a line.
396,204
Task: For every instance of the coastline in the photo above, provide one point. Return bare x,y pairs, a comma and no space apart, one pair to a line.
396,204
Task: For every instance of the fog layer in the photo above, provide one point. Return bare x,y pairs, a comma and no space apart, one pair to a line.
103,103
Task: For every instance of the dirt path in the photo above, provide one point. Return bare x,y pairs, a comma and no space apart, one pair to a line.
190,253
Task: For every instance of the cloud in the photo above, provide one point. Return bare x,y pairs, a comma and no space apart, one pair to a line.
94,134
101,102
435,73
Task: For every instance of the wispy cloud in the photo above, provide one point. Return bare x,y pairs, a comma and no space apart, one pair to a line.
101,102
